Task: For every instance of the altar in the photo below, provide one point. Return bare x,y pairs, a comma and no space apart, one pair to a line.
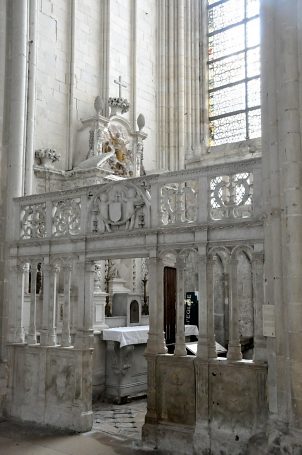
126,366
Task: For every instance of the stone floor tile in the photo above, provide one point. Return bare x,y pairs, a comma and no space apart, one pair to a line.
116,431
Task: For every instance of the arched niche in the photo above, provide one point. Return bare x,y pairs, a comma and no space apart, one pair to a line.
134,313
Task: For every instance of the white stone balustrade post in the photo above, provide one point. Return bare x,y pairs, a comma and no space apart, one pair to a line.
45,268
48,218
152,337
179,203
260,352
159,286
180,344
26,279
89,288
156,339
20,333
84,316
52,316
83,213
32,331
155,205
212,354
99,297
202,347
203,202
234,347
12,298
66,339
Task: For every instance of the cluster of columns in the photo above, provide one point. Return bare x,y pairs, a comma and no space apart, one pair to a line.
282,161
206,342
78,320
181,98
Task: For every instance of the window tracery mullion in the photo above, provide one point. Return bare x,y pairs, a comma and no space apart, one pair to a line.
234,71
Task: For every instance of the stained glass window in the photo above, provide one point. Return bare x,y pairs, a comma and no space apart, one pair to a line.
234,70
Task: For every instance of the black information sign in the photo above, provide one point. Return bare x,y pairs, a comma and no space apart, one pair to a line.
191,308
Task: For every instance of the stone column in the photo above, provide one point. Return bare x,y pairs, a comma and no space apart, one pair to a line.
31,98
20,334
180,344
17,102
105,52
212,354
16,76
178,62
71,85
282,163
84,316
52,306
156,340
46,278
66,339
151,415
202,347
234,347
99,297
260,353
199,99
225,280
32,331
12,297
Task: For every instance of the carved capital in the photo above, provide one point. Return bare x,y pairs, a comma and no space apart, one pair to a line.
67,267
258,257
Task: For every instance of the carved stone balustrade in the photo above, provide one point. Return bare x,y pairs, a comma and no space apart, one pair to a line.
59,237
186,198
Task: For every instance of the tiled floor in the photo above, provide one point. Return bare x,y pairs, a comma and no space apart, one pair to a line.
124,421
116,431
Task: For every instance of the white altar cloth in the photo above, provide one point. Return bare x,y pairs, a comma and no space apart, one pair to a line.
137,334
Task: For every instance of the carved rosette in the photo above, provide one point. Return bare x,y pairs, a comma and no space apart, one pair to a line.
231,196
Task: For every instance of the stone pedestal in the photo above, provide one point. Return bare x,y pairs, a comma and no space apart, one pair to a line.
99,302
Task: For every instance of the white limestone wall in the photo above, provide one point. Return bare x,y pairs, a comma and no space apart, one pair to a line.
133,56
146,76
68,71
72,68
2,63
52,76
120,47
2,114
2,150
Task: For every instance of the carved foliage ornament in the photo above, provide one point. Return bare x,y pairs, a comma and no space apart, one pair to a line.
66,217
46,157
33,224
178,202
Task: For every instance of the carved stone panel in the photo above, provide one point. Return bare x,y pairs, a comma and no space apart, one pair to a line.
176,390
123,206
243,406
66,217
60,379
33,221
231,196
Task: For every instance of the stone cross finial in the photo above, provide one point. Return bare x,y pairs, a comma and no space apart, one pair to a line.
121,84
